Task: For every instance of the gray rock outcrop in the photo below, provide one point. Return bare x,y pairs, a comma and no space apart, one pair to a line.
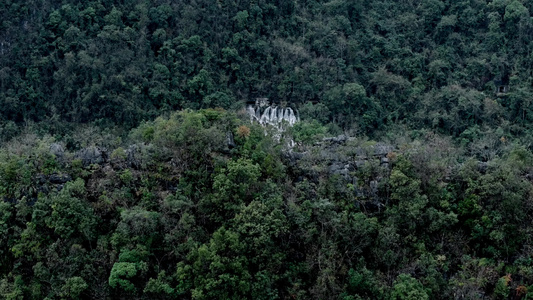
59,178
57,150
92,155
230,141
133,156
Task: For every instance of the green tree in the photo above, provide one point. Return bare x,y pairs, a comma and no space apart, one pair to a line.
130,266
234,186
70,214
408,288
217,269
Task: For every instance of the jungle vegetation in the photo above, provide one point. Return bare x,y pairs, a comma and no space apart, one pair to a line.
129,169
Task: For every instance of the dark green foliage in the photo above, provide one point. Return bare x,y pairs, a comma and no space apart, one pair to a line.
408,288
186,199
367,65
176,214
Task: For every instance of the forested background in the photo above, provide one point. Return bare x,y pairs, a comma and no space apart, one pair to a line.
369,64
129,169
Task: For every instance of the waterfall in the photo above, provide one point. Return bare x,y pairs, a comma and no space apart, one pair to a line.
273,116
278,117
265,117
251,112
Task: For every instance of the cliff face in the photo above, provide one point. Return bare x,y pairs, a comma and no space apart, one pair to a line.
273,115
361,168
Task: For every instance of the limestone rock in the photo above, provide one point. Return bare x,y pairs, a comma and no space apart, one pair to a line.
133,156
92,155
57,150
230,141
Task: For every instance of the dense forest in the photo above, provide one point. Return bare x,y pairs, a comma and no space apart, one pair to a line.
130,168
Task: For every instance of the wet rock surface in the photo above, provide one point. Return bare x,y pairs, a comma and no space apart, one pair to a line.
230,141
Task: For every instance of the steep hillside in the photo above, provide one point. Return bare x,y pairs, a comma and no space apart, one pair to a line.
204,205
368,64
213,149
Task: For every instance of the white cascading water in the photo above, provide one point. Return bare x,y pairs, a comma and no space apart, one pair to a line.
277,117
272,115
